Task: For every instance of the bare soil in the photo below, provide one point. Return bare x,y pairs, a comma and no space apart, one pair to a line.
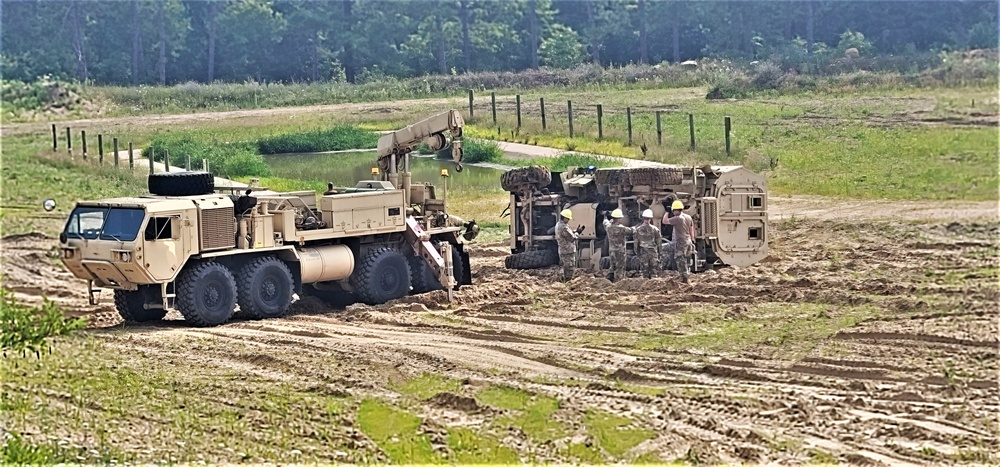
911,381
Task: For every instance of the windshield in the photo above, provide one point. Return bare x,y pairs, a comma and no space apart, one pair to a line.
120,224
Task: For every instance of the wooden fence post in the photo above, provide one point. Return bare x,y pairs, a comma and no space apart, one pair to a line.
569,108
131,158
518,100
541,103
729,127
493,105
55,139
628,117
187,163
149,158
166,160
114,146
659,129
83,136
100,149
204,165
691,126
470,105
600,122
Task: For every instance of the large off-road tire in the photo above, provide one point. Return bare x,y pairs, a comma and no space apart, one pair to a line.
129,304
423,278
206,294
382,275
535,176
532,259
265,288
181,183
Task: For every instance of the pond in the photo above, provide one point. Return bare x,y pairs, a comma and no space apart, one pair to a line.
346,169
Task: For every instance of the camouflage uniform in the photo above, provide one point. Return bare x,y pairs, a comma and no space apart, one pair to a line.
566,239
680,247
616,246
647,239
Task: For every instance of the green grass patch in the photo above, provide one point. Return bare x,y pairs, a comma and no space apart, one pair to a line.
427,385
18,451
471,448
532,412
586,454
780,328
612,432
92,395
395,432
338,138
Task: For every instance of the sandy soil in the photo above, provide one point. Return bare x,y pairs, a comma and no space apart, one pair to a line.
913,382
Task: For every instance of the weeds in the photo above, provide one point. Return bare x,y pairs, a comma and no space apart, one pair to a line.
27,329
338,138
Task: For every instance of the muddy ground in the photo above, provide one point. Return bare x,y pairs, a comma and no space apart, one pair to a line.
865,340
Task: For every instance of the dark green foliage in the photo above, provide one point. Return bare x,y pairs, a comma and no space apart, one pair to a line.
25,329
338,138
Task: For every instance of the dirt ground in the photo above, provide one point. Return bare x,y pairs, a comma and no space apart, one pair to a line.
870,340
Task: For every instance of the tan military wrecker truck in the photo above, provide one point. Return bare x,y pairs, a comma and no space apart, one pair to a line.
187,247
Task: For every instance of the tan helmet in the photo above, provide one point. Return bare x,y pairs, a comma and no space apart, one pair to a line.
566,213
677,205
647,214
617,214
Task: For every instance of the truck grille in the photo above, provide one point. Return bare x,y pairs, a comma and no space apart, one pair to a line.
218,229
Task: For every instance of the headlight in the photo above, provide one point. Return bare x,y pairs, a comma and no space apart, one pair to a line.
124,256
67,253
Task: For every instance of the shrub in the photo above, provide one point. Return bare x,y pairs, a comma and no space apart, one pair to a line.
225,159
480,150
338,138
26,329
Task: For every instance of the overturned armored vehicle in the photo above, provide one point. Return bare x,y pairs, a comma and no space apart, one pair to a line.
728,205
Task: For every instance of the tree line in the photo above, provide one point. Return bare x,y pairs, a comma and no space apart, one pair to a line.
176,41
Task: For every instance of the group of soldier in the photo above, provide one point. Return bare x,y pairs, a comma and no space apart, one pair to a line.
649,247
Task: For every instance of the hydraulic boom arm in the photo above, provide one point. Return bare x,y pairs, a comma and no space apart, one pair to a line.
430,131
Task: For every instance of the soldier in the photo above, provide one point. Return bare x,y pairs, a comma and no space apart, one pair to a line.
616,243
566,239
682,243
648,247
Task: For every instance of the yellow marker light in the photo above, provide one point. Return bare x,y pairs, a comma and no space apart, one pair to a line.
374,170
444,172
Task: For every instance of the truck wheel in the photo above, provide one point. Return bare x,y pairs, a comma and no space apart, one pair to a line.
265,288
532,259
181,183
423,278
129,304
383,275
206,294
535,176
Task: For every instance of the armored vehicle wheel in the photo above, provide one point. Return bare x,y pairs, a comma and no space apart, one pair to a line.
383,275
532,259
181,183
632,263
605,262
265,288
206,294
423,278
535,176
129,304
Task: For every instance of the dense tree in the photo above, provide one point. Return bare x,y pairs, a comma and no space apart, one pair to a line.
173,41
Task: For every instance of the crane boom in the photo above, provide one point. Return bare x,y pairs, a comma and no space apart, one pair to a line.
430,131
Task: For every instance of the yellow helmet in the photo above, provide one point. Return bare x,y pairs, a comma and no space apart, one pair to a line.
677,205
617,214
566,213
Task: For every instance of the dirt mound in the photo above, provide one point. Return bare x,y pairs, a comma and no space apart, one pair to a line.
453,401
